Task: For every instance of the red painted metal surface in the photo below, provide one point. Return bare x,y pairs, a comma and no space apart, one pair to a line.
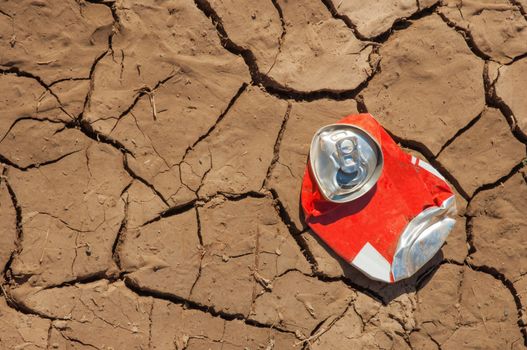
404,189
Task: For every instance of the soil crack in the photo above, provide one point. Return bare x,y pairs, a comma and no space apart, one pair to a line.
510,287
467,35
270,85
188,304
278,141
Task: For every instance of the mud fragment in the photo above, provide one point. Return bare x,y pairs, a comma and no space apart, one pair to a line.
72,95
509,88
64,47
163,256
192,329
484,153
25,98
305,118
372,18
20,331
72,235
368,325
99,314
257,29
460,307
416,96
53,253
456,246
144,205
236,155
246,247
497,27
319,52
299,303
498,228
418,340
30,143
423,4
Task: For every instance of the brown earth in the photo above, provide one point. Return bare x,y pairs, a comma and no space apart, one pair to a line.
151,156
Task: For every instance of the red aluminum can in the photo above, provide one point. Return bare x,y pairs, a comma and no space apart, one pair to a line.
382,210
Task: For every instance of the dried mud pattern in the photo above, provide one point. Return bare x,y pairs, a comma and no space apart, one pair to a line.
165,255
143,205
497,27
157,149
23,145
105,315
247,244
24,98
372,18
19,331
155,43
97,315
299,303
235,157
176,257
192,329
454,311
72,94
150,190
305,118
499,226
468,160
509,88
189,84
71,237
319,52
257,29
366,324
62,49
417,64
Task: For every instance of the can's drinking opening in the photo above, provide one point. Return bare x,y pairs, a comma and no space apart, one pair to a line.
346,162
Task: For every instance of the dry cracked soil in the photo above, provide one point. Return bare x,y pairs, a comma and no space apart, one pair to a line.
151,156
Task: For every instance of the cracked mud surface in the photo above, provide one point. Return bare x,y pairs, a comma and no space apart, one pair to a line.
151,156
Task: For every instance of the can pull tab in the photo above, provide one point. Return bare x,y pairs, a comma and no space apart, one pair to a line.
352,170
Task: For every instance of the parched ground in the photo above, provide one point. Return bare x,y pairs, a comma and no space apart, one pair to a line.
152,152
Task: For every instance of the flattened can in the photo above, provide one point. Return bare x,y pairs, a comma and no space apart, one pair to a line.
382,210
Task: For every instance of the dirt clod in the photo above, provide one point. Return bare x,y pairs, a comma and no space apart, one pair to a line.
372,18
497,27
314,42
468,160
508,89
417,64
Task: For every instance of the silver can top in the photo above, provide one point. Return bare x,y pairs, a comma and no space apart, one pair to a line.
346,162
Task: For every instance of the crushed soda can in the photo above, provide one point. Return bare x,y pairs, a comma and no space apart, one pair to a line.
382,210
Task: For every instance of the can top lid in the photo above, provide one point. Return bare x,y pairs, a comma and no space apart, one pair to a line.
346,161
